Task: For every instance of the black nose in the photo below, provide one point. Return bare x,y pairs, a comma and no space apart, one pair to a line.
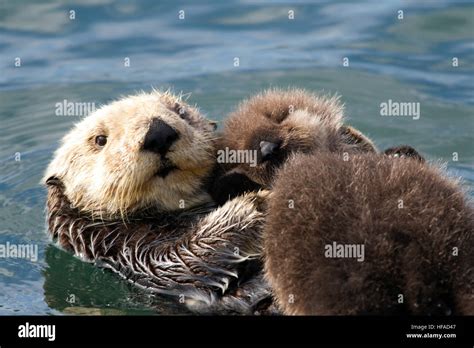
267,149
160,137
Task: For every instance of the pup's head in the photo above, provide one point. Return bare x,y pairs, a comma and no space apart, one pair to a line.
147,150
276,123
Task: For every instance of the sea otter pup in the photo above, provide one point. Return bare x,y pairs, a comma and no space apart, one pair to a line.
276,123
127,189
258,126
368,235
272,125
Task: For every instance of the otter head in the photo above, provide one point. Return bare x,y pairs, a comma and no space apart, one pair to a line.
148,150
272,125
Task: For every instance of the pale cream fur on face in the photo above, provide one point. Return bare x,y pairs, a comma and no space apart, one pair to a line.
119,178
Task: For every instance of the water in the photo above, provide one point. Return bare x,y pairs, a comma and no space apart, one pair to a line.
82,60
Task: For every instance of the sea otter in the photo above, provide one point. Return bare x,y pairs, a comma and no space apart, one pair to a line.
276,123
258,125
368,235
128,190
273,125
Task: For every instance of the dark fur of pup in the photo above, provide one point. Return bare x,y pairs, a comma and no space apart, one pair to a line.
236,182
409,217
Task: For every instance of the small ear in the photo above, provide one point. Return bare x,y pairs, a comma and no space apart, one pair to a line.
179,109
53,181
353,137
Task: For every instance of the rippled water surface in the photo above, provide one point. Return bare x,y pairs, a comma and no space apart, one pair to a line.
82,60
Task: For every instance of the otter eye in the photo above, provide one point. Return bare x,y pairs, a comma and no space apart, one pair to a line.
101,140
181,111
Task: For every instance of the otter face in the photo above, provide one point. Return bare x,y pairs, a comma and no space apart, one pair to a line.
277,123
272,142
148,150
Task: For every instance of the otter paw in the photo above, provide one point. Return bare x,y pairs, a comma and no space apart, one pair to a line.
404,151
260,199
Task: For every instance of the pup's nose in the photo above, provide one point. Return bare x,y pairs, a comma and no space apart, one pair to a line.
160,137
267,149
